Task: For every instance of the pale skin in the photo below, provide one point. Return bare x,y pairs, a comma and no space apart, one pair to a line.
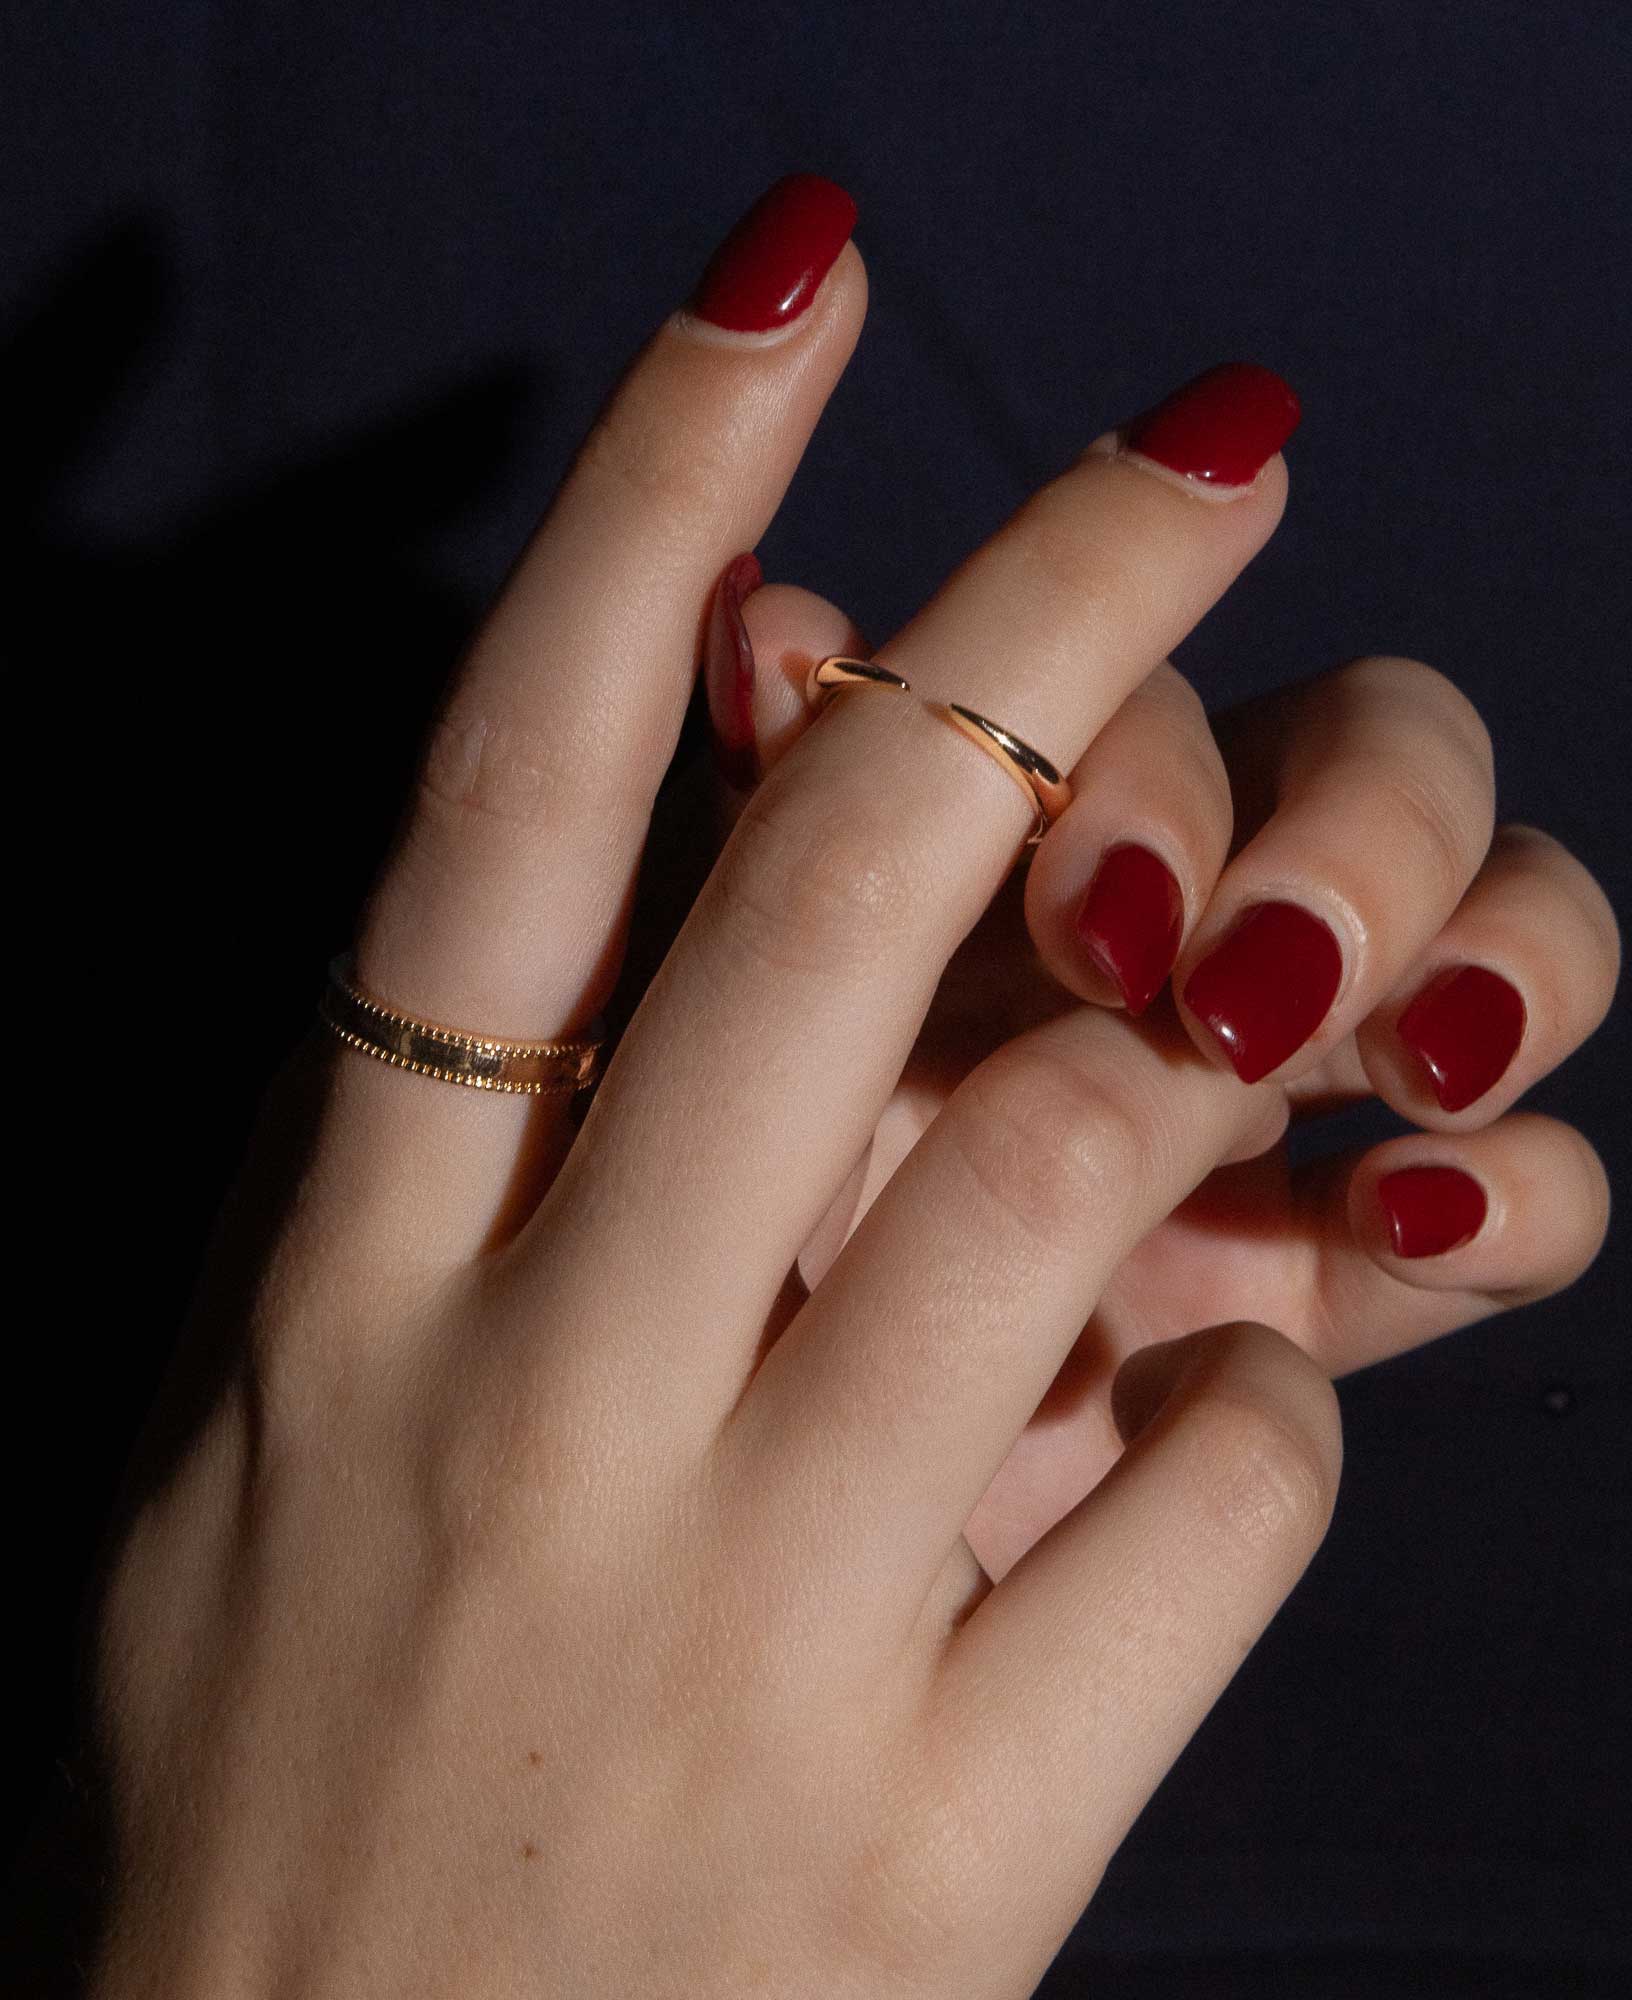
554,1598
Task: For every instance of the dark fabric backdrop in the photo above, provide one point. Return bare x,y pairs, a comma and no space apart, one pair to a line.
304,307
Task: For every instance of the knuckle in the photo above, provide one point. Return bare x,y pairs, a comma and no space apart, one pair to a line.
487,773
1049,1143
1446,827
642,448
1271,1478
917,1882
806,890
1401,681
1583,895
1459,730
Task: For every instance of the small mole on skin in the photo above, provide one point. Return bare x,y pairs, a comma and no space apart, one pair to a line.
528,1851
535,1758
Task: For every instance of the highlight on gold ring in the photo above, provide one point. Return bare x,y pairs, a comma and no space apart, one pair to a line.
829,675
451,1055
1029,768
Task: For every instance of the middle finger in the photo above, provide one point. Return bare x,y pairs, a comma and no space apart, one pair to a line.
758,1062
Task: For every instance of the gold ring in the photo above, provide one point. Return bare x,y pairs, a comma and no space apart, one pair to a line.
829,675
477,1061
1037,777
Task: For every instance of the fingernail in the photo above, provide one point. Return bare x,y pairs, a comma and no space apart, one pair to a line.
767,270
1431,1209
728,674
1465,1027
1222,428
1131,922
1265,990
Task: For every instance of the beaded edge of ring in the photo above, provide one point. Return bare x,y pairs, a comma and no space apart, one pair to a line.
585,1052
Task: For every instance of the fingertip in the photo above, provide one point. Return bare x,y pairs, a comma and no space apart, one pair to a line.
790,629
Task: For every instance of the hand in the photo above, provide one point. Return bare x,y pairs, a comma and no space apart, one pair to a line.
1365,793
548,1599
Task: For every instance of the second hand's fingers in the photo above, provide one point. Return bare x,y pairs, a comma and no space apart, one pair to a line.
1126,871
1520,976
1357,1256
1368,798
763,639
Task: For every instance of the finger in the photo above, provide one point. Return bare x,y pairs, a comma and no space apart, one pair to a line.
1521,974
871,849
763,639
502,906
1432,1231
1128,868
881,1416
1317,1255
1066,1696
1368,799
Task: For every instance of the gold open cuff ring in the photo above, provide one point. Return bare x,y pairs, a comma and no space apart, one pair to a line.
477,1061
829,675
1037,777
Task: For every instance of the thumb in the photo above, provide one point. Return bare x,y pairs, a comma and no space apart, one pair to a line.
1077,1681
762,639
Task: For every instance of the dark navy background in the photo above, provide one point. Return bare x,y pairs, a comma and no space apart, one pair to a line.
304,308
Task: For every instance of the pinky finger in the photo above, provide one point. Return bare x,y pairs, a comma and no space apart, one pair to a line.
1427,1233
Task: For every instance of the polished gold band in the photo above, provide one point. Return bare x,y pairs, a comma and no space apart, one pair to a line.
480,1063
829,675
1035,775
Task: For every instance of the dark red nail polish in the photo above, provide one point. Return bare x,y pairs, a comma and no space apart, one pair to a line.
1131,921
1431,1209
1465,1027
1223,427
768,268
1265,990
728,674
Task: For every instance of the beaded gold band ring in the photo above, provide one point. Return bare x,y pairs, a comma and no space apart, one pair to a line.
479,1062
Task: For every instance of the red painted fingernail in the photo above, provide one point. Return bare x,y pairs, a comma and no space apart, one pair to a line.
1265,990
1131,921
768,268
1431,1209
1223,427
728,674
1465,1027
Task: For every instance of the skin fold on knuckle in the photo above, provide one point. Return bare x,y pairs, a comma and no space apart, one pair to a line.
1054,1147
489,776
814,890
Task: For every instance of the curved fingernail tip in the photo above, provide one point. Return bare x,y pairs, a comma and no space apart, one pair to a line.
1430,1210
1267,987
771,263
728,675
1222,427
1464,1027
1131,922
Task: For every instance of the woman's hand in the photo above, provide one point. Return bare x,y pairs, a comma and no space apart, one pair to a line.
545,1599
1365,794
